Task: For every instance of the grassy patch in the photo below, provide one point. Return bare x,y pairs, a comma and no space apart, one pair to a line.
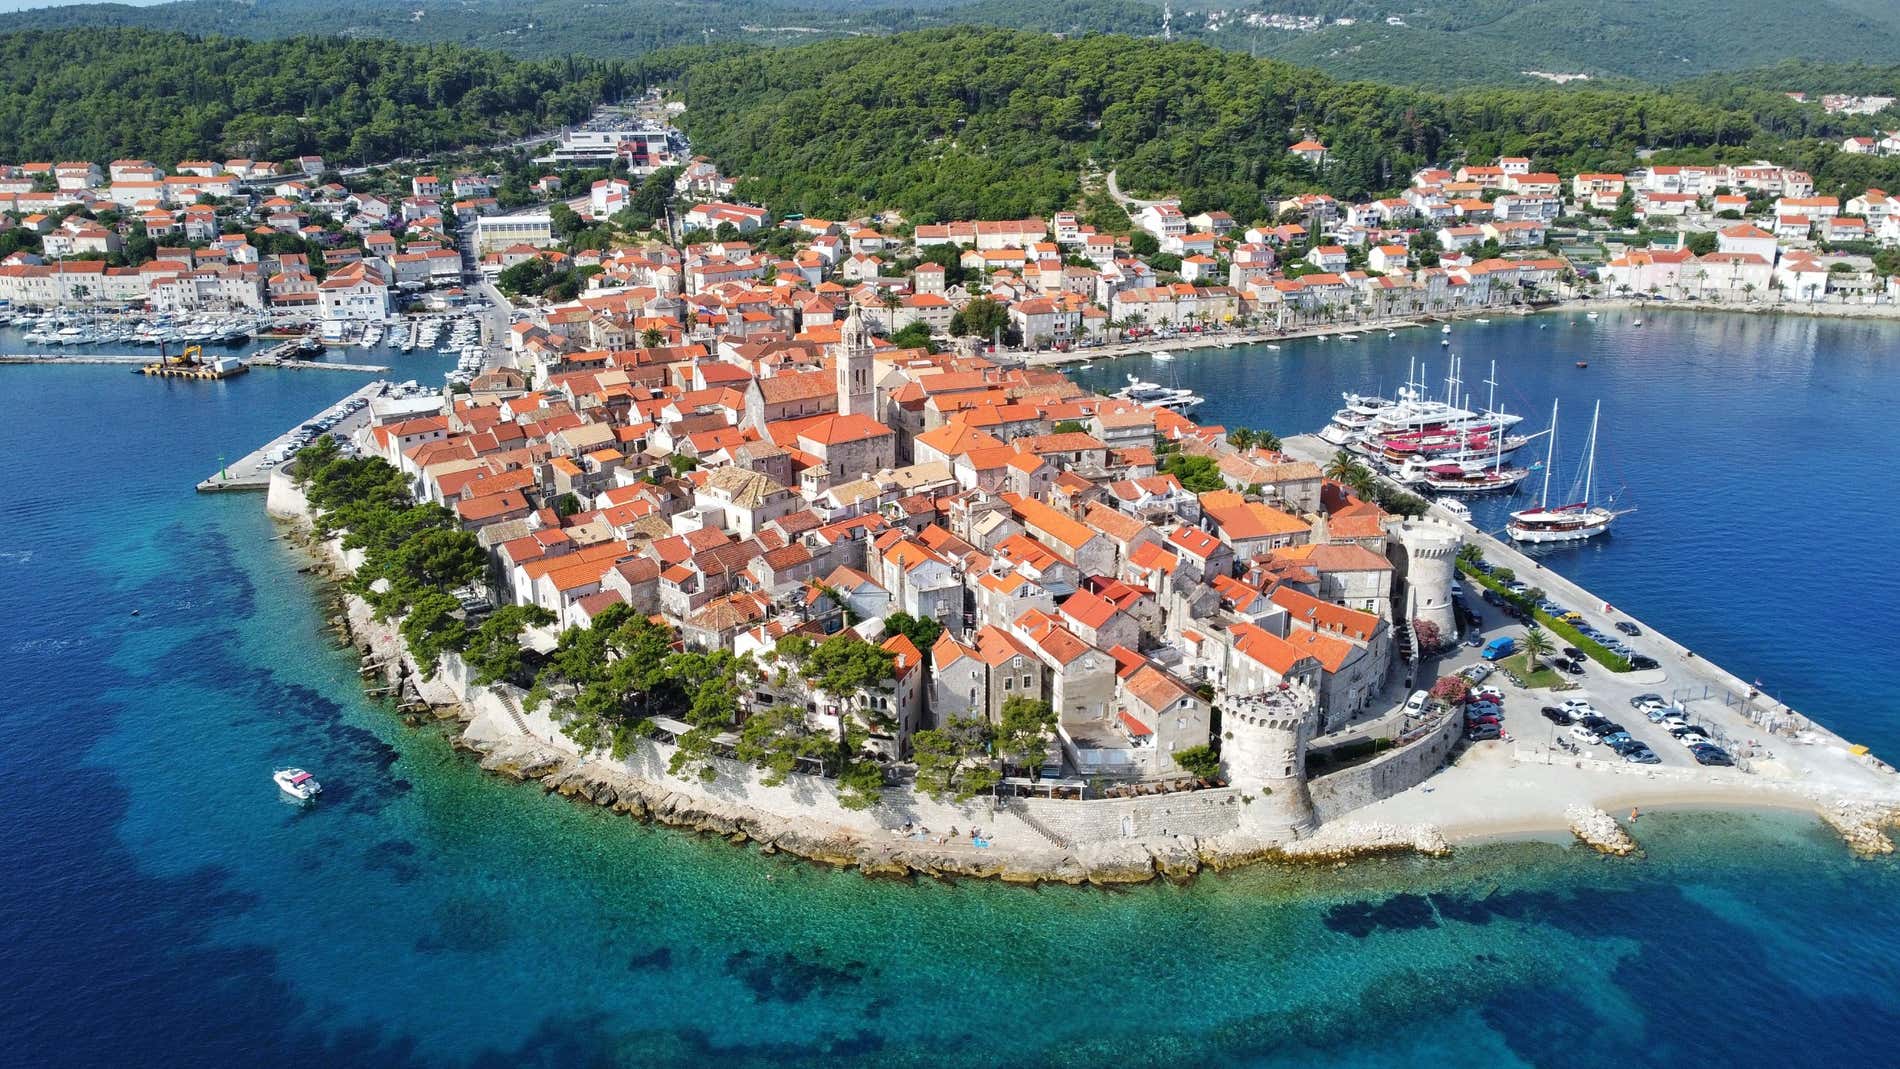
1544,677
1559,629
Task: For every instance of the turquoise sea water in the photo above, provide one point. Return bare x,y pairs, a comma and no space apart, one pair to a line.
161,906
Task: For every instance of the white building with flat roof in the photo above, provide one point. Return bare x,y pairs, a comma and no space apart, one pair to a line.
495,232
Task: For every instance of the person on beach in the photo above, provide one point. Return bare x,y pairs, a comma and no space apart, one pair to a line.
1634,813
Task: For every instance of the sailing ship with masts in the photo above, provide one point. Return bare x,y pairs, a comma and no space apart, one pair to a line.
1576,521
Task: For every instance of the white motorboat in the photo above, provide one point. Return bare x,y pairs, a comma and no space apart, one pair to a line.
1155,395
1446,329
297,783
1454,507
1273,347
1162,355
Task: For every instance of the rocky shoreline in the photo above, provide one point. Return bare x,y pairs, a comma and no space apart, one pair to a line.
390,672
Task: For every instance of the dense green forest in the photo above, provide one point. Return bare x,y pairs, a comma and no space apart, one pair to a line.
1452,44
100,94
941,124
961,123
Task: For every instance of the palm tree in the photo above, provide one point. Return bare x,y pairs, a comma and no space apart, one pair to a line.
1342,467
891,302
1242,438
1536,644
652,337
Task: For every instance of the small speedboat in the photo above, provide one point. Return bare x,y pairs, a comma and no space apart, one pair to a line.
1583,363
1446,329
297,783
1638,323
1273,347
1162,354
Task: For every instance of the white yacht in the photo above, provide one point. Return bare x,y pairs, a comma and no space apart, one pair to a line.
1155,395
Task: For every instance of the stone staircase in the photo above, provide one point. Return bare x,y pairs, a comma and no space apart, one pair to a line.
513,706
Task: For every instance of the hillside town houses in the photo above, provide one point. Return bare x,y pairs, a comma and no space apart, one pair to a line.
1475,235
211,236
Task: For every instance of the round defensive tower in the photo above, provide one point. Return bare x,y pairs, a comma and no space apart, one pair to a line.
1263,750
1431,561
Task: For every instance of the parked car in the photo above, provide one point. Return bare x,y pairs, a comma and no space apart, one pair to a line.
1417,702
1556,716
1486,718
1644,701
1476,673
1584,734
1711,755
1641,662
1579,707
1572,652
1568,666
1628,628
1488,694
1642,755
1483,732
1499,647
1475,639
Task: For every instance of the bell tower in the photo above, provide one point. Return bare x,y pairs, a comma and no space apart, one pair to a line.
857,393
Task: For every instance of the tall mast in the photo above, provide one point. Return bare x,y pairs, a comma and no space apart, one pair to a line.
1550,455
1491,406
1591,470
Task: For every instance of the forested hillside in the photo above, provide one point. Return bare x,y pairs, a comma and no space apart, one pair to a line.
100,94
961,123
1467,42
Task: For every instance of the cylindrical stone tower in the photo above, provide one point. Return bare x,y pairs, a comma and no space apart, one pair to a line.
1263,749
1431,555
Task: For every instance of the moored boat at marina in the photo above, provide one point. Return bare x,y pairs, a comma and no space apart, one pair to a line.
1574,522
1155,395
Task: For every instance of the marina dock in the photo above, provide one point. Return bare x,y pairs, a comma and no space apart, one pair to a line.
252,471
278,356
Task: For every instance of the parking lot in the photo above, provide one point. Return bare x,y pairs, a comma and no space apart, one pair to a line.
1609,695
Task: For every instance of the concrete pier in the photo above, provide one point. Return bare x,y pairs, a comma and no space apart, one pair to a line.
253,470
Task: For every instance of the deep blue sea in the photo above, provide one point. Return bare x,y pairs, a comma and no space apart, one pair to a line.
160,906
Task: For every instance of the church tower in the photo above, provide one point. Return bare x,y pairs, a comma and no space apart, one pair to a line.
857,393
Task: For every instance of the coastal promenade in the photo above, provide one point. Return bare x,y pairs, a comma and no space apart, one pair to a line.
1216,340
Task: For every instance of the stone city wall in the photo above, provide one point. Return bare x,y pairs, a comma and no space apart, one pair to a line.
1341,792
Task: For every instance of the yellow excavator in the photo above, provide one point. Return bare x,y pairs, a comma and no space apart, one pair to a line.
190,356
